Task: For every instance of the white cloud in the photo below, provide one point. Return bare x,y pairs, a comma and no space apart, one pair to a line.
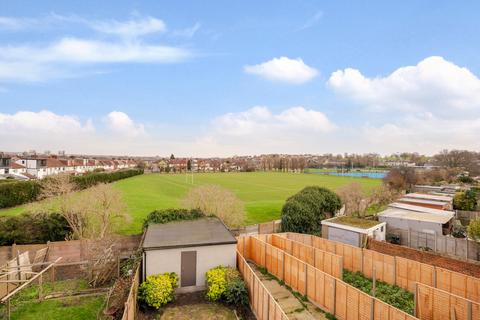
187,32
312,21
434,85
120,123
131,28
60,59
283,69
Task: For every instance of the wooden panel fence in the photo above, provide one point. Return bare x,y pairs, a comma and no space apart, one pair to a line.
325,261
262,303
327,292
439,304
130,311
395,270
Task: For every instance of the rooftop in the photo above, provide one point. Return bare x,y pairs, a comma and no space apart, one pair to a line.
355,222
422,201
410,207
190,233
399,213
426,196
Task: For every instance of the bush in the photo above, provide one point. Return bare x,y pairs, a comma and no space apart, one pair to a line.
225,284
168,215
91,179
465,179
465,200
304,211
473,229
33,228
157,290
16,193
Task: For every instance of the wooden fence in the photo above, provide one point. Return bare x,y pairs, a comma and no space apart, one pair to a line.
439,304
396,270
327,292
262,303
130,311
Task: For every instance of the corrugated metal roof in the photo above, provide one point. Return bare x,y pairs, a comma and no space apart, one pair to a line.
416,215
427,196
190,233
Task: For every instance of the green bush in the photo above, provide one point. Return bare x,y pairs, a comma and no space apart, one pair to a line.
33,228
16,193
465,200
393,295
20,192
168,215
91,179
225,284
304,211
157,290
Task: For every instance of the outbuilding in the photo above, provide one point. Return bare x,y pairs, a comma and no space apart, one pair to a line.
416,218
352,230
188,248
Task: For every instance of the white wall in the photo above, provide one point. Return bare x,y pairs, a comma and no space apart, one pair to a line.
169,260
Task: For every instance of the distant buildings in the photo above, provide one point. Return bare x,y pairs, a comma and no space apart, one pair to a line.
38,167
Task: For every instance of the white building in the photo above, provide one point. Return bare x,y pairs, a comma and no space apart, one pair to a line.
188,248
352,231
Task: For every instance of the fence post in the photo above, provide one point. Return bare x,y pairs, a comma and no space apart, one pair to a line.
40,287
434,276
334,296
306,280
283,266
435,245
372,309
244,247
409,238
374,285
395,270
469,310
415,298
466,248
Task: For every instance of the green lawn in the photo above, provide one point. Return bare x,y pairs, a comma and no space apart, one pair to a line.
263,193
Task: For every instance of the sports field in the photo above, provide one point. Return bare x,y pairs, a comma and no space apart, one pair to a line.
263,193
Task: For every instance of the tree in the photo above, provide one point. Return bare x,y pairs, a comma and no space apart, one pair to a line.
304,211
172,157
401,178
353,198
217,201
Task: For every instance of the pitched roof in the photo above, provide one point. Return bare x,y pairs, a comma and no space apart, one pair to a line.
190,233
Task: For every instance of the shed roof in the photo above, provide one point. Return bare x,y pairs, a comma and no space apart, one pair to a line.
422,201
426,196
410,212
190,233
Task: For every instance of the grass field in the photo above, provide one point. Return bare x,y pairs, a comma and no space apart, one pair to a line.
263,193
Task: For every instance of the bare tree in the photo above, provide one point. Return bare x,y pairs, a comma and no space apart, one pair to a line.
353,198
217,201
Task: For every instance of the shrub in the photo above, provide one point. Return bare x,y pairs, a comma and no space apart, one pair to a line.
465,200
16,193
91,179
33,228
157,290
168,215
225,284
465,179
304,211
473,229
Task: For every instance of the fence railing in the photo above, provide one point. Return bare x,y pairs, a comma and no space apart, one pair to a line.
262,303
397,270
130,311
327,292
459,247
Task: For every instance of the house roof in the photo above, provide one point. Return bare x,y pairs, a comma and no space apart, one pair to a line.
14,165
189,233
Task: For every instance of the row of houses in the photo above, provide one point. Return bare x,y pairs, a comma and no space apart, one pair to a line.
428,213
25,168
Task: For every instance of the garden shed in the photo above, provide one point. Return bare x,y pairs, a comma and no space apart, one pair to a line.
352,230
188,248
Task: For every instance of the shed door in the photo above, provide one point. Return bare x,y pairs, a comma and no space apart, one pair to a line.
189,268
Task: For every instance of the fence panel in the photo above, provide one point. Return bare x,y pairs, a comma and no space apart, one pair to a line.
262,303
130,311
458,284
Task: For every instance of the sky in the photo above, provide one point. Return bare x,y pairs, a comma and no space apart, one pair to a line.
224,78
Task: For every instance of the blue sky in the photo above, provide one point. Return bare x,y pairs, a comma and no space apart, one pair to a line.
221,78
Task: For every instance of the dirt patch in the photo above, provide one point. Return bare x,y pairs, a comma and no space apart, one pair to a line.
430,258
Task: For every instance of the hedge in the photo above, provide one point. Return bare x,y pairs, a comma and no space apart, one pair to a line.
168,215
16,193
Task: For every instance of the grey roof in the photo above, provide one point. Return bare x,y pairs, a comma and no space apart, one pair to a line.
190,233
